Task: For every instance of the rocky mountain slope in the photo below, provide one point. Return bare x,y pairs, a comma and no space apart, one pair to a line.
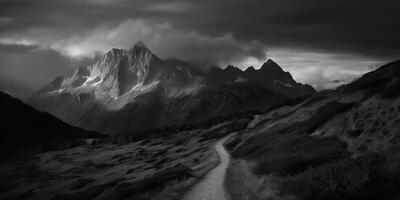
135,89
25,130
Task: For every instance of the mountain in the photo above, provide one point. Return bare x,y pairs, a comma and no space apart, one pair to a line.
135,89
26,130
15,88
270,76
337,144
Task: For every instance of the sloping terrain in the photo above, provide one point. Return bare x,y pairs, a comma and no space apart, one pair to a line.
15,88
212,187
161,166
341,144
136,90
25,130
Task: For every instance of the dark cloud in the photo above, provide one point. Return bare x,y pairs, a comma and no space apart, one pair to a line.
364,27
363,30
15,48
29,65
165,40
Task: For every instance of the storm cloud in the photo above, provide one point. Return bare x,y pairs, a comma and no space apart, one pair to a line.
317,41
165,40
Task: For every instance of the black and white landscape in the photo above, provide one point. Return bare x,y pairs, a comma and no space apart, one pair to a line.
127,90
199,100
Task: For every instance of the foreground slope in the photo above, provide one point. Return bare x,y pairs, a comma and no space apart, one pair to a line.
27,130
135,90
212,187
160,166
342,144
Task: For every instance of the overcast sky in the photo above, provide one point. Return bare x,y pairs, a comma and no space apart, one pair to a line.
317,41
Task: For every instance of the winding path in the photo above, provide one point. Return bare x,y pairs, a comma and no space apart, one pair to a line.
212,186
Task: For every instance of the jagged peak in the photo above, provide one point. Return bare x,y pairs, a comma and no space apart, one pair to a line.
113,53
116,50
271,65
250,69
141,49
140,46
231,68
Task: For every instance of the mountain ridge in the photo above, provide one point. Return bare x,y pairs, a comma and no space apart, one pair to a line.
137,81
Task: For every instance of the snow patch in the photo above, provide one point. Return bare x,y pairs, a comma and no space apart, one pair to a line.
56,91
282,83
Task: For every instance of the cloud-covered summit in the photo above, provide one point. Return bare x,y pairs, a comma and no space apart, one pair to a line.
165,39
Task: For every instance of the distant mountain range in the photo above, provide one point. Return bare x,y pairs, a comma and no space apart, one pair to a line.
134,89
26,130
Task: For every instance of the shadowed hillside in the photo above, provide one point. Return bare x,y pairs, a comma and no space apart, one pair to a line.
343,144
26,130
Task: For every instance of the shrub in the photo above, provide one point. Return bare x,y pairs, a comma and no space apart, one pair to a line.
392,91
81,182
155,182
366,178
354,133
325,113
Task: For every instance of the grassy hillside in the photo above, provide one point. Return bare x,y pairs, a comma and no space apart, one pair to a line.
161,166
342,144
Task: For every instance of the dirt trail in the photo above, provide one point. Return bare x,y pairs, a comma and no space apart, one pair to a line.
212,186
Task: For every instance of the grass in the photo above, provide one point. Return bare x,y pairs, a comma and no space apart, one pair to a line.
233,122
287,150
240,183
326,113
81,182
366,177
320,168
314,167
155,182
392,90
378,82
168,131
142,189
87,194
286,155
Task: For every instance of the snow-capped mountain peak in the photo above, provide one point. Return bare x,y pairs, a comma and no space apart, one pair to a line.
136,85
121,75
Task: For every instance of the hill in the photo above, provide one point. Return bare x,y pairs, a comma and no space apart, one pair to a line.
341,144
25,130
